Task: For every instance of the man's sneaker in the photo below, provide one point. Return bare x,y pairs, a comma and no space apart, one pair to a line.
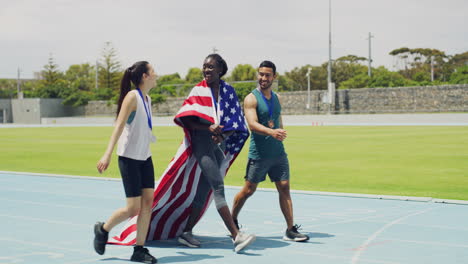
100,238
294,235
242,241
187,239
141,254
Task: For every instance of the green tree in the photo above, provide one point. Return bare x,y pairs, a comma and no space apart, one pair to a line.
243,72
460,76
454,62
284,83
297,78
81,81
422,77
345,68
413,63
169,85
459,60
382,77
51,73
243,89
81,76
52,84
7,88
109,73
359,81
194,75
29,88
170,79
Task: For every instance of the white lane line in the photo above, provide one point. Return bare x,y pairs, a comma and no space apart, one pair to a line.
50,204
426,226
431,243
122,257
61,193
47,245
404,241
297,253
366,243
332,194
42,220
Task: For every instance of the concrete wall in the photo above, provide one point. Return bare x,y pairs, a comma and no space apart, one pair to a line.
31,110
100,108
447,98
55,108
167,108
6,115
26,111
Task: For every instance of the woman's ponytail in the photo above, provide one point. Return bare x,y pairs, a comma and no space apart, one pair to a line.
125,87
131,75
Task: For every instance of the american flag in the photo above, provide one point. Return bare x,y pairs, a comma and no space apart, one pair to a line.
176,188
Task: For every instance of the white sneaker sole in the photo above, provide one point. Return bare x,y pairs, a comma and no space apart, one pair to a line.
285,238
244,244
186,243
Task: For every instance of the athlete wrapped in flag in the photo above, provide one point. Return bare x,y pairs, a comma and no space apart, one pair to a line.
212,114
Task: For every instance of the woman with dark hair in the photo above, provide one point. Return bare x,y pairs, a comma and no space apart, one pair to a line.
214,133
133,134
208,146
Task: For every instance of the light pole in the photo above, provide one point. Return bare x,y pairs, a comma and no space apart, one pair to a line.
329,43
308,88
18,85
329,81
432,68
97,72
369,71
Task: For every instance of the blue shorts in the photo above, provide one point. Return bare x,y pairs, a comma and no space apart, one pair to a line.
276,168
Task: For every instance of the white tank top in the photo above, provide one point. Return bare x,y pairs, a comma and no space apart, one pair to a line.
134,143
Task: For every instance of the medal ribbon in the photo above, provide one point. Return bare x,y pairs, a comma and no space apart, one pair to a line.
147,110
216,104
269,105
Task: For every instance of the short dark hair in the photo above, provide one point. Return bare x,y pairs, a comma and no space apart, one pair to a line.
268,64
220,62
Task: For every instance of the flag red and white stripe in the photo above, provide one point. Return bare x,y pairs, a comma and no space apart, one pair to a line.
176,188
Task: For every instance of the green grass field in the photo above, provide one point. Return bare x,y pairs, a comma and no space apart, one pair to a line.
409,161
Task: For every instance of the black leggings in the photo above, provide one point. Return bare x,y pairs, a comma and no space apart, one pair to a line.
209,157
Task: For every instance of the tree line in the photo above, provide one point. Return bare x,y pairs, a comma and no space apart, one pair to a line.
79,83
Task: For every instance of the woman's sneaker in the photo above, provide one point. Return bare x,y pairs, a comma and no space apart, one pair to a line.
186,238
242,241
294,235
141,254
100,238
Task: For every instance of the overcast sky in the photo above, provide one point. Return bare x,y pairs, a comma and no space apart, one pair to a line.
175,35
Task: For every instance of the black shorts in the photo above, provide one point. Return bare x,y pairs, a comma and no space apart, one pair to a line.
276,168
136,175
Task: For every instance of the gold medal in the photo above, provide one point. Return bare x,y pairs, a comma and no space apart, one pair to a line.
271,124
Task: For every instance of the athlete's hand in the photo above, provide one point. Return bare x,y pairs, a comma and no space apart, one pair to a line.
103,163
279,134
217,139
216,129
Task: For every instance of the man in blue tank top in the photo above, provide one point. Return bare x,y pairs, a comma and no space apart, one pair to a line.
262,109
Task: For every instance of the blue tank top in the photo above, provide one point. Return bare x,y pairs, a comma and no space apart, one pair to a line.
261,146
